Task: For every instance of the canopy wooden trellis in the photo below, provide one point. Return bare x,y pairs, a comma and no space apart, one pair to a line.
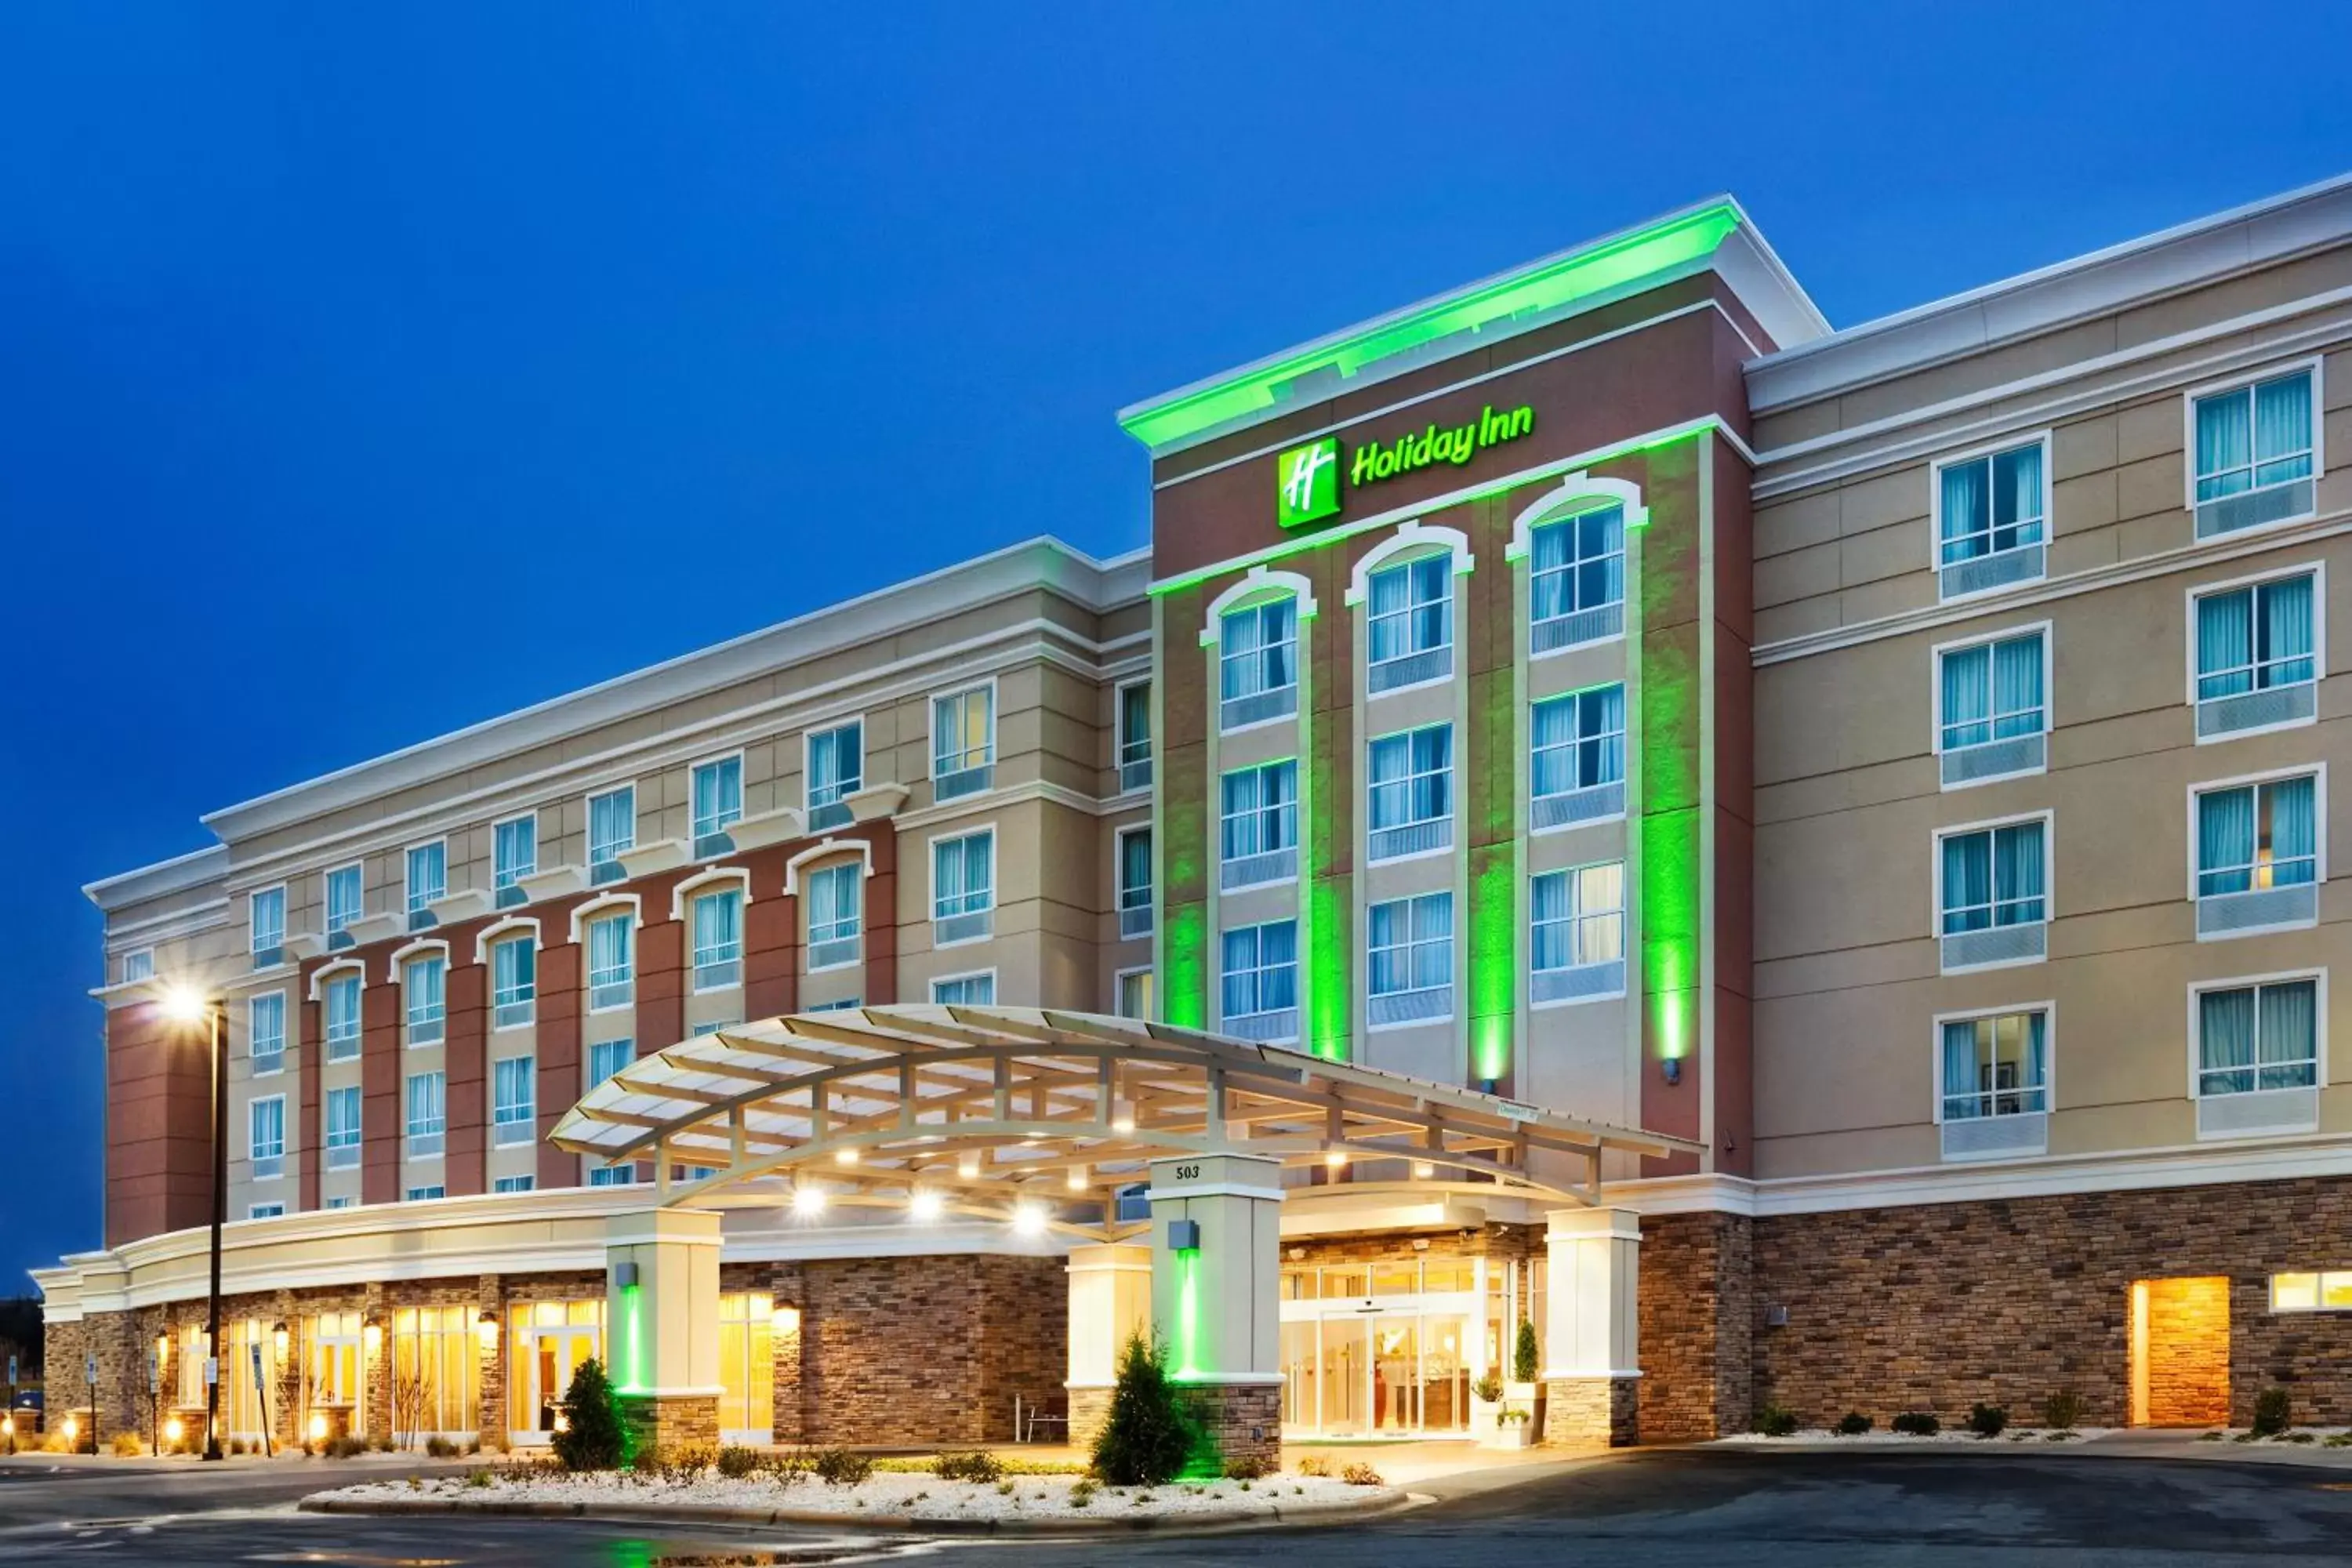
993,1107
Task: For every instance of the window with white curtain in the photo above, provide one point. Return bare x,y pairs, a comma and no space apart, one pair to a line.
1576,580
1576,944
1409,967
264,1021
612,962
1411,792
2254,437
2257,661
514,855
1577,758
138,964
1258,824
345,898
342,995
963,741
717,938
1411,624
428,1113
2252,1038
836,770
606,1057
266,1134
268,910
1258,989
514,981
965,990
718,804
1257,662
963,886
1997,1064
428,879
1990,505
514,1100
424,996
612,832
836,914
342,1139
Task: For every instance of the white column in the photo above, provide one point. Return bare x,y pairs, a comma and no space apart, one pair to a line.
661,1306
1591,1353
1110,1303
1216,1273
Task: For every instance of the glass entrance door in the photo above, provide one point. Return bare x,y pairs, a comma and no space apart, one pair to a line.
549,1341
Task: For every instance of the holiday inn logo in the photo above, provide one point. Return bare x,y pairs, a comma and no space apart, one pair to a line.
1307,478
1310,488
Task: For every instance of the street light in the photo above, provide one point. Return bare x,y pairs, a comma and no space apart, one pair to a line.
186,1005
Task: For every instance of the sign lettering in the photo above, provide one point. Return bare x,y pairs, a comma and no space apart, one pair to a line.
1308,480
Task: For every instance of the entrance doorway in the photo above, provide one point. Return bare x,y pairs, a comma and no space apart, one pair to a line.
550,1340
1390,1349
2181,1352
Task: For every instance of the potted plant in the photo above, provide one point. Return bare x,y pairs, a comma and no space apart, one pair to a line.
1485,1402
1515,1428
1524,1389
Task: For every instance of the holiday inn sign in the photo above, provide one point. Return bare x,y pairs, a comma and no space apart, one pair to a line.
1308,481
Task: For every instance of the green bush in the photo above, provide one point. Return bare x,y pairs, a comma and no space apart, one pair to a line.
344,1447
440,1448
1853,1424
1917,1424
593,1437
980,1465
2061,1410
1526,1359
1489,1388
2273,1415
735,1461
1247,1468
1774,1421
1082,1492
1986,1420
840,1467
1149,1435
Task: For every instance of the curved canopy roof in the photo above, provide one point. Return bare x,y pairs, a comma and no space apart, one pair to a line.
994,1106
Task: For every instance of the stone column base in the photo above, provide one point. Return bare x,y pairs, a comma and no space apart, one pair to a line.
1593,1410
1242,1419
670,1421
1089,1408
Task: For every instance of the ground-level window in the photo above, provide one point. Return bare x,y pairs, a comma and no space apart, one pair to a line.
331,1369
747,1365
549,1340
2326,1291
1134,999
435,1379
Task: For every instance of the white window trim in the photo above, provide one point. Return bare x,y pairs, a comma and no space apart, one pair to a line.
1579,491
1453,792
588,822
2197,989
272,1210
2318,772
2317,366
261,1100
408,903
931,728
1118,741
600,906
2047,631
1222,817
328,971
531,816
1624,775
825,849
499,930
1118,978
418,948
709,882
285,1027
807,925
2270,1286
693,969
1257,584
743,789
1453,966
1624,928
327,881
2317,571
2049,1010
808,748
2048,818
1935,468
123,964
1119,862
285,916
931,875
935,981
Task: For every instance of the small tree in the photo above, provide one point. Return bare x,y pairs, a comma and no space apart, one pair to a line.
409,1397
1524,1355
593,1435
1148,1435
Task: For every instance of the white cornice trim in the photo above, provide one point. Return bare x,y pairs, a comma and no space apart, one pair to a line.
1933,617
739,875
823,849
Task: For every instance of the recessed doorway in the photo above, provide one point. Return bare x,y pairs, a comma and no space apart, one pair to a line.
2181,1352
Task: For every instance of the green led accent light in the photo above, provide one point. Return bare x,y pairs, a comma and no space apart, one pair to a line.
1188,1315
1327,996
1183,992
1494,952
1670,714
1545,285
633,1378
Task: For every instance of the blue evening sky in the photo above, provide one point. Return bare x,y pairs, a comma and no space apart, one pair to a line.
370,369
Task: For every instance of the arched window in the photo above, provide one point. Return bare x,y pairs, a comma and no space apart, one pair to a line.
1573,541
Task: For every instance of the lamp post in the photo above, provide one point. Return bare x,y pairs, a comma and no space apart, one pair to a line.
186,1005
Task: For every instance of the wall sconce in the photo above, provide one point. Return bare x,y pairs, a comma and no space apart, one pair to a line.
73,1428
174,1430
486,1329
372,1336
280,1336
1673,1069
162,1349
787,1320
317,1428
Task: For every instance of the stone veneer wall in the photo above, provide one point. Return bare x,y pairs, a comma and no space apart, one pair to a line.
1593,1410
1244,1419
2188,1352
1696,1309
1934,1307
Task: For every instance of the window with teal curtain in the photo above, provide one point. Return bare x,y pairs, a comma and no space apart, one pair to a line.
2254,638
1991,504
2254,837
2256,1038
1412,944
1577,917
1993,877
833,902
718,930
836,759
1135,868
1260,970
2251,437
718,796
1996,1066
1992,692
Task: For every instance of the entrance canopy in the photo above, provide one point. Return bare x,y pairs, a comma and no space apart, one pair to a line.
1037,1115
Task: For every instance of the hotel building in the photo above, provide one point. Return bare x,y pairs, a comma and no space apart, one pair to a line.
1793,861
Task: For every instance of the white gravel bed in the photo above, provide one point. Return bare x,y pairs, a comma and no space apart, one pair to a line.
1881,1438
887,1496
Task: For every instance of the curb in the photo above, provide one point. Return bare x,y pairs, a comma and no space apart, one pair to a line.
692,1513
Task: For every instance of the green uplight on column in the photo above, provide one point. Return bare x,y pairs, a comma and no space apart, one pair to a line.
1188,1315
633,1373
1183,992
1493,956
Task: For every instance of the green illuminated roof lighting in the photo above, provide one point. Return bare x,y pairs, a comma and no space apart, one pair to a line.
1533,290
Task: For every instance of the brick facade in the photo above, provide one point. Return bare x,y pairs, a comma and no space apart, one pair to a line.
1696,1311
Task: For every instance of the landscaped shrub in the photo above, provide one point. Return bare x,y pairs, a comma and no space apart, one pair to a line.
440,1448
980,1466
128,1446
1774,1421
687,1462
1250,1468
591,1436
786,1466
344,1447
2061,1410
1489,1388
1082,1492
1314,1465
840,1467
1524,1357
1986,1420
1917,1424
735,1461
1853,1424
2273,1415
1361,1474
1149,1435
